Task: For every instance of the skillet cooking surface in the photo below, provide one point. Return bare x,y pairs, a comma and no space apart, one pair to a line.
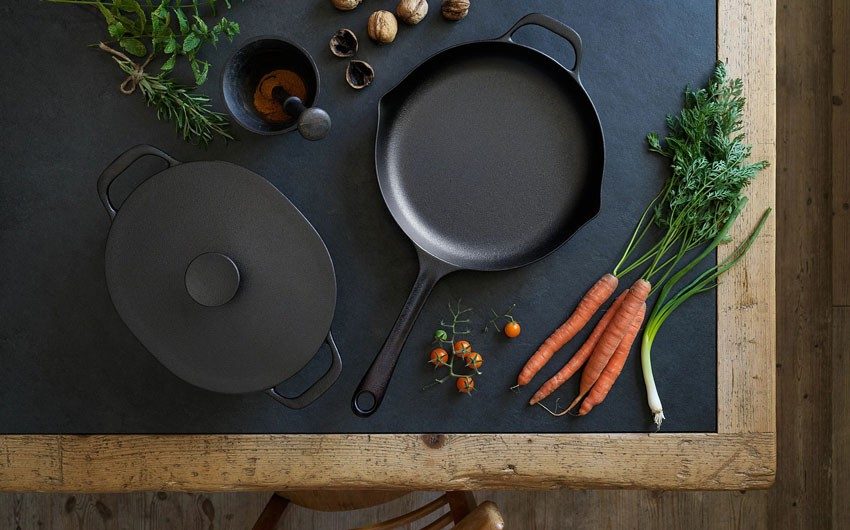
489,155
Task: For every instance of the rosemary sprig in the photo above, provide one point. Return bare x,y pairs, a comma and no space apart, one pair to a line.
189,111
169,30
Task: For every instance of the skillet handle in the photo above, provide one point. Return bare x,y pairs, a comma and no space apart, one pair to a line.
319,387
119,165
369,394
555,26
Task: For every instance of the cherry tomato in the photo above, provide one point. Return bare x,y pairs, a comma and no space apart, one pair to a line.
465,384
439,357
473,360
462,347
512,329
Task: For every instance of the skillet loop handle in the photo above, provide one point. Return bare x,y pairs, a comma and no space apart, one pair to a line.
119,165
319,387
555,26
369,394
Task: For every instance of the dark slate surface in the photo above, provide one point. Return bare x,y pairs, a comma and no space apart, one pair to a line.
69,365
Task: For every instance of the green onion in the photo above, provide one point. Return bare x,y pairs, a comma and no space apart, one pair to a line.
666,304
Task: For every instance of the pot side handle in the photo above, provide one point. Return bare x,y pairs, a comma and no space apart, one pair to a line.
319,387
555,26
119,165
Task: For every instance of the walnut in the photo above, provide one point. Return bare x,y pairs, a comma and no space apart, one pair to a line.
382,27
346,5
412,11
344,43
359,74
455,9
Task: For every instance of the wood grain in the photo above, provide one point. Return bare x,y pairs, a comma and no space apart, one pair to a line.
746,296
272,462
803,175
840,99
159,510
841,424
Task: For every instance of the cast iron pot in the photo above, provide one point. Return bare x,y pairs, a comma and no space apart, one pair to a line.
219,276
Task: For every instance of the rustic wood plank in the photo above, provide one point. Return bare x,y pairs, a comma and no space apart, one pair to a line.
280,462
840,263
803,218
148,510
22,462
574,509
840,152
746,303
840,422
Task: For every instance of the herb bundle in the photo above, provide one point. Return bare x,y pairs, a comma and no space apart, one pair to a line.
166,32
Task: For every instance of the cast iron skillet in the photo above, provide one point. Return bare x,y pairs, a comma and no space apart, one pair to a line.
489,156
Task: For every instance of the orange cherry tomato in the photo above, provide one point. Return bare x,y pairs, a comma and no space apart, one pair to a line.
465,384
512,329
439,357
462,347
473,360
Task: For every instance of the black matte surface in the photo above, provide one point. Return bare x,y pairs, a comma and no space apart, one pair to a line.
68,363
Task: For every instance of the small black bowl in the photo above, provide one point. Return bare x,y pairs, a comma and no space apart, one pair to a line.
247,66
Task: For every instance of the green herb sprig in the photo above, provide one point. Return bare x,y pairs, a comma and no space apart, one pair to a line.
708,158
165,33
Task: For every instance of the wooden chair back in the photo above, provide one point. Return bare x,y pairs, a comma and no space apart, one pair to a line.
463,512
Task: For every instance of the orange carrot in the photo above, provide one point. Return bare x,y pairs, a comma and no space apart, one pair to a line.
579,358
587,307
612,337
612,370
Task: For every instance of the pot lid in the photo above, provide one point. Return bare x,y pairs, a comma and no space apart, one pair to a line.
220,277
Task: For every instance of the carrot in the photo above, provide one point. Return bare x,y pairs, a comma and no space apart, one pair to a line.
612,370
587,307
579,358
612,337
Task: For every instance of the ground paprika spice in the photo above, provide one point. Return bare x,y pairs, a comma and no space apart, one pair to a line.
268,105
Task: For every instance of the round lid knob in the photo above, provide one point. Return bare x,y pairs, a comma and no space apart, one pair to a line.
212,279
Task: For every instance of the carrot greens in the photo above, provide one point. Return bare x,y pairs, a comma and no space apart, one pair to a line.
708,158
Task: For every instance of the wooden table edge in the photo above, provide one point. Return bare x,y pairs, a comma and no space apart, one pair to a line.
741,455
104,463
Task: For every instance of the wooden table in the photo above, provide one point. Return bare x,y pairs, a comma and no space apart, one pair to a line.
742,454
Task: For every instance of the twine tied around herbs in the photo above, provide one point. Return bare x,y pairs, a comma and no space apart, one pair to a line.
128,86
